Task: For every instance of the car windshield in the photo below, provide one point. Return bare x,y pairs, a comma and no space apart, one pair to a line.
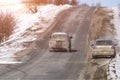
104,42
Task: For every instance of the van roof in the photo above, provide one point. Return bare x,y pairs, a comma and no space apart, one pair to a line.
57,33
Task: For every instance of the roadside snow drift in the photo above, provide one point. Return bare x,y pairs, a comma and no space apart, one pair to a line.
28,28
114,65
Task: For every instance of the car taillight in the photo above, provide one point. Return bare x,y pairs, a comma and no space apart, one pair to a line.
51,43
113,47
94,47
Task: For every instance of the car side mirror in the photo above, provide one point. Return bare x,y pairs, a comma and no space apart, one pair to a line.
92,44
115,44
70,37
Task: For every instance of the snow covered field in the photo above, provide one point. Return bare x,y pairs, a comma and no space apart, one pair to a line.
114,66
28,28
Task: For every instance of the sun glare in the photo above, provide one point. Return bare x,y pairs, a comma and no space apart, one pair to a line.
8,1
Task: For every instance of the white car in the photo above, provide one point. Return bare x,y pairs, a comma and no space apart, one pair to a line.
103,48
60,41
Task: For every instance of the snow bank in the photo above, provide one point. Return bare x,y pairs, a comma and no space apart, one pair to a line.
114,66
116,22
28,28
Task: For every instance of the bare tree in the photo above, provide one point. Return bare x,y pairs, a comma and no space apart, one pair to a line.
35,1
74,2
57,2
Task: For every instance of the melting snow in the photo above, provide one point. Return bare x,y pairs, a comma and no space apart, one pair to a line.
117,22
114,66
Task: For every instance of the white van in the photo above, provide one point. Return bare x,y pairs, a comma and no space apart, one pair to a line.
60,41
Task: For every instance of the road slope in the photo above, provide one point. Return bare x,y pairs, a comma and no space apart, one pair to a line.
45,65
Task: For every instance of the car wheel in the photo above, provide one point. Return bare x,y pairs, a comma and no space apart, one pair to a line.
94,57
67,50
50,50
69,47
113,56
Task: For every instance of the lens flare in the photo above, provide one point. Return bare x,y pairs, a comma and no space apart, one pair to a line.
8,2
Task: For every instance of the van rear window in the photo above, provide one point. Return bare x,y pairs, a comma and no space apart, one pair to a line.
104,43
58,36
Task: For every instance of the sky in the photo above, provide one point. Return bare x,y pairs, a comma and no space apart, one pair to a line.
109,3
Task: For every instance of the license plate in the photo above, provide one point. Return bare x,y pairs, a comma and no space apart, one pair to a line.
58,44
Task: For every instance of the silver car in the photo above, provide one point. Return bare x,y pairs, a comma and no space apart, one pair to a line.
60,41
103,48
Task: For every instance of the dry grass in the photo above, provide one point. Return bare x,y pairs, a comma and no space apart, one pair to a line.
101,24
7,22
100,74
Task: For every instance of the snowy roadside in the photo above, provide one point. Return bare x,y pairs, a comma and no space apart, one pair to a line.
114,66
28,29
